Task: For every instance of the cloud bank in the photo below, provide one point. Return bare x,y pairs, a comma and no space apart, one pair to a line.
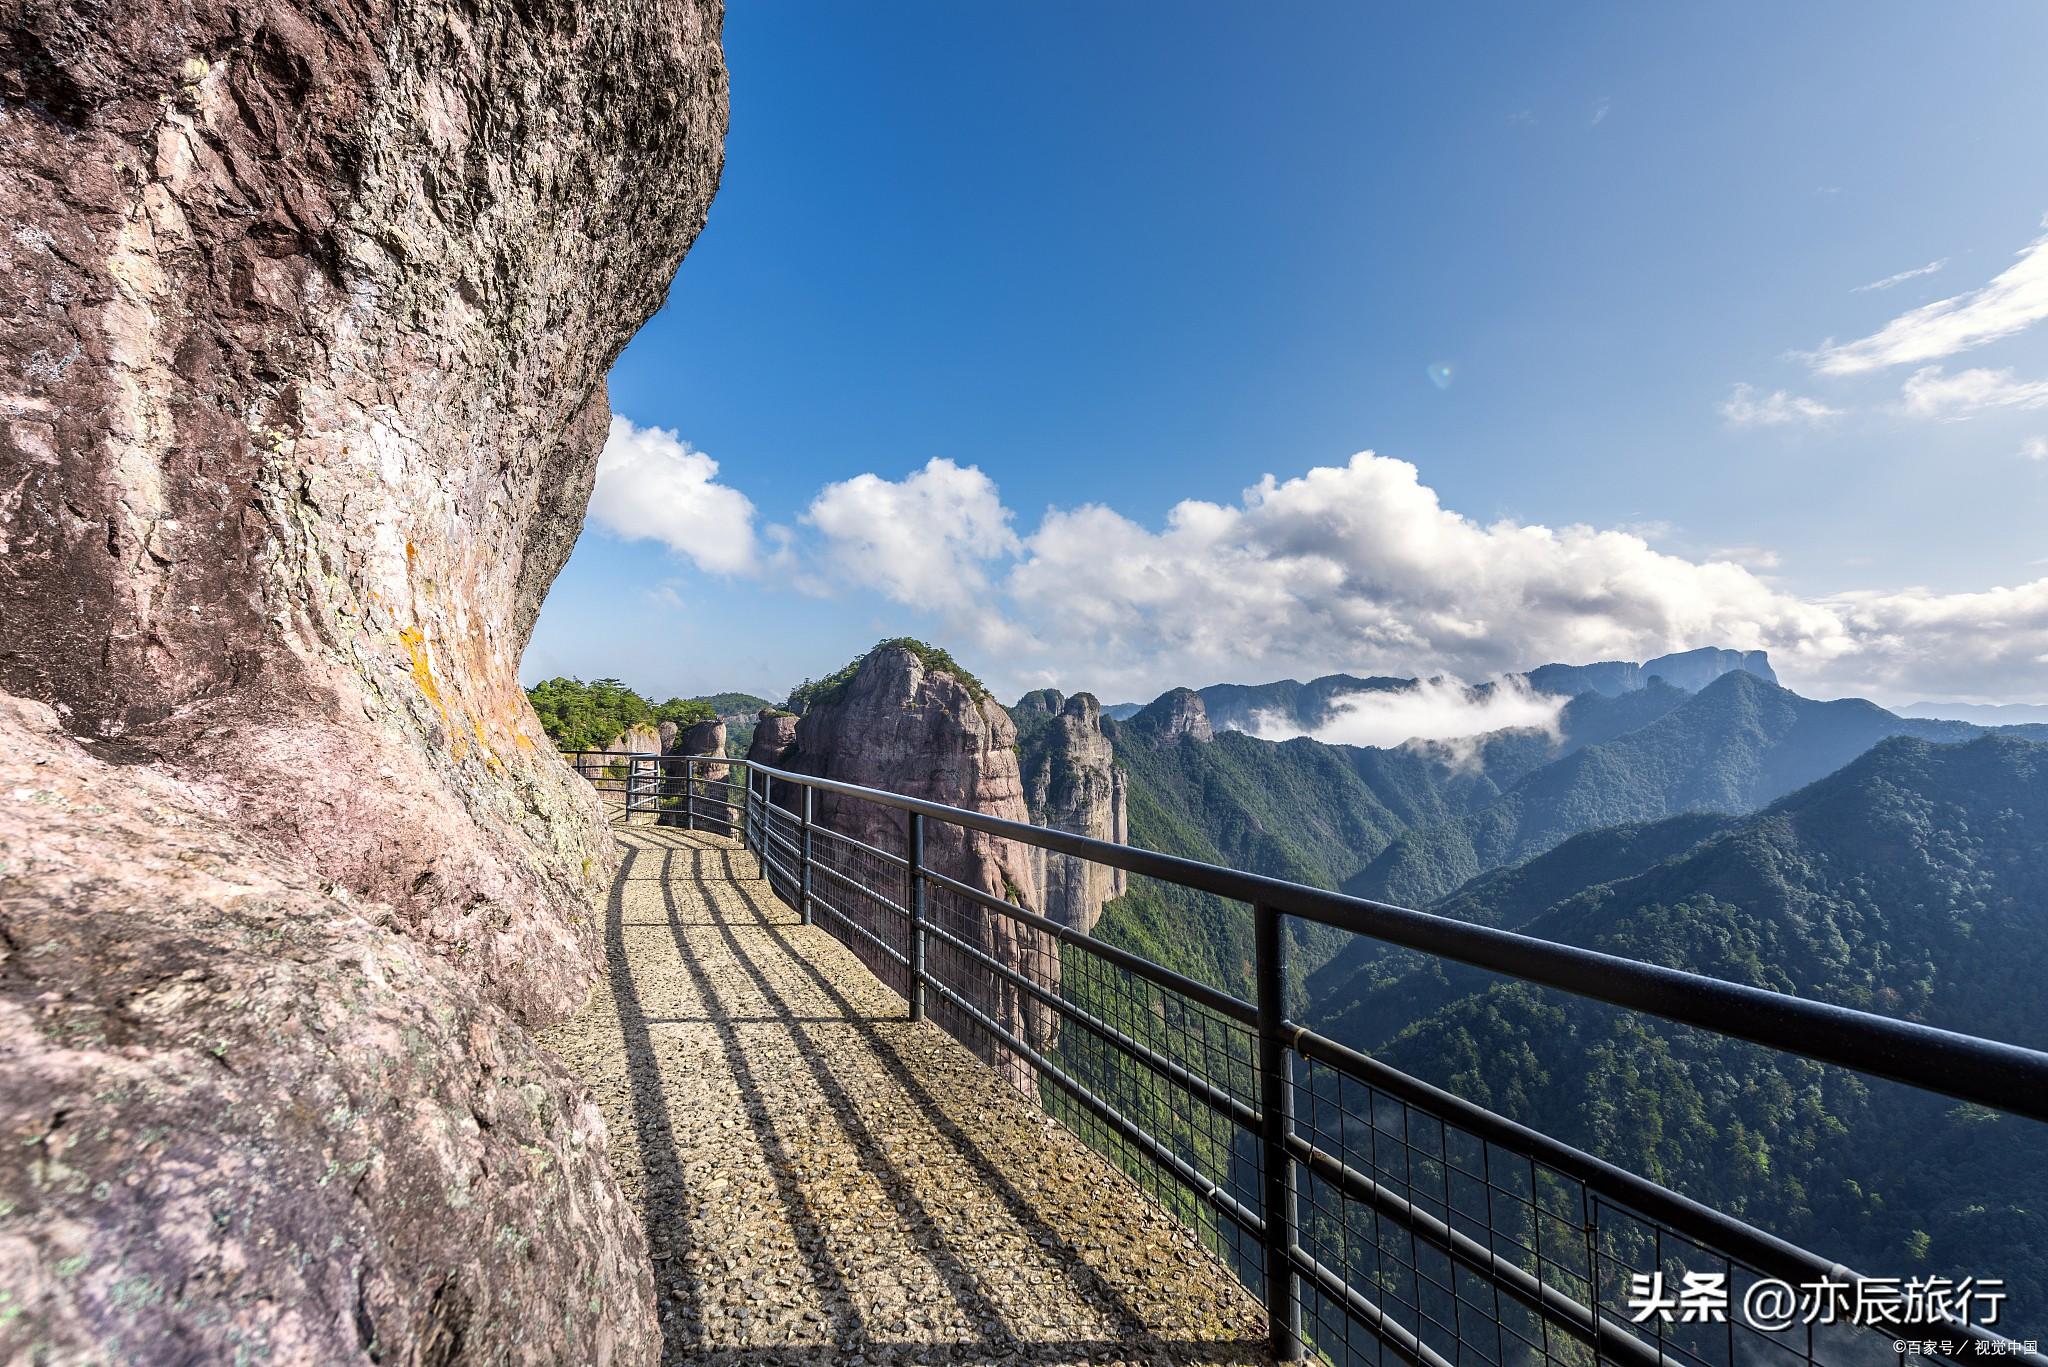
1434,711
1360,567
1355,567
923,540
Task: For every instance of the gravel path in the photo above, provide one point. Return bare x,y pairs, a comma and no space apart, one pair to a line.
823,1182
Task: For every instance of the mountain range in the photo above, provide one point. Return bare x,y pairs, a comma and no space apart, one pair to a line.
1304,708
1907,883
1695,814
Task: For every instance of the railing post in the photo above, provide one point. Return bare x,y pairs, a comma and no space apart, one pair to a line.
767,822
747,813
689,792
803,901
1276,1112
917,909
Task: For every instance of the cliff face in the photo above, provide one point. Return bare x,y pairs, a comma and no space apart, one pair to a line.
906,729
1690,670
309,308
1072,783
1179,712
307,315
259,1122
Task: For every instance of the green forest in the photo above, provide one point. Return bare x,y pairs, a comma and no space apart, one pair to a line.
1832,850
590,716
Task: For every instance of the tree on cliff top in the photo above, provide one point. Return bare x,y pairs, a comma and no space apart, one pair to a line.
590,716
812,692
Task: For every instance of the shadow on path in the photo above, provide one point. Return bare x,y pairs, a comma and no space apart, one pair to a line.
821,1181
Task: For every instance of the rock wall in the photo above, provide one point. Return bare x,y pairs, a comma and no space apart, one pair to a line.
309,308
1072,783
308,311
248,1119
923,733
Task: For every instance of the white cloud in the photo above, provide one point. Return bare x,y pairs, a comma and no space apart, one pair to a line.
1745,408
1600,110
1929,393
652,486
1437,711
2014,301
922,541
1987,644
2035,448
1902,277
1360,568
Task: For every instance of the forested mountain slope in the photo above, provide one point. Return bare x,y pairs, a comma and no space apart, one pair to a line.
1909,883
1300,809
1735,745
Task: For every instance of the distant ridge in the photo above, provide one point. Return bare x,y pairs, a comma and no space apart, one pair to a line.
1732,747
1691,670
1289,705
1982,713
1239,707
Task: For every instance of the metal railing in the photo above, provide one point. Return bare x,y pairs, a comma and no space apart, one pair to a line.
1377,1215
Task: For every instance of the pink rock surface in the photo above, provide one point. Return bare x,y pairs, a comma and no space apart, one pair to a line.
308,308
248,1119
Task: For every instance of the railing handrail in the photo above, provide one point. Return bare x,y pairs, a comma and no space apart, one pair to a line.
2004,1077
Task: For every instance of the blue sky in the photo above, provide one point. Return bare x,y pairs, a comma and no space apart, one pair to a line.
1109,260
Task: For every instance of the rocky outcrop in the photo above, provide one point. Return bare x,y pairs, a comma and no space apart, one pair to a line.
1173,714
926,733
1044,702
1072,783
247,1118
309,308
699,738
645,740
706,782
774,736
307,317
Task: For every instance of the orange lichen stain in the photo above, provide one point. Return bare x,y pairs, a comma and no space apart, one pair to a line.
423,667
423,679
491,760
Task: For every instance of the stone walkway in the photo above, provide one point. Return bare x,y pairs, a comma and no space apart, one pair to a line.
824,1182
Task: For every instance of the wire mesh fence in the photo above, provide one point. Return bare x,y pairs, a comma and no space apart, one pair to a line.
1384,1220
